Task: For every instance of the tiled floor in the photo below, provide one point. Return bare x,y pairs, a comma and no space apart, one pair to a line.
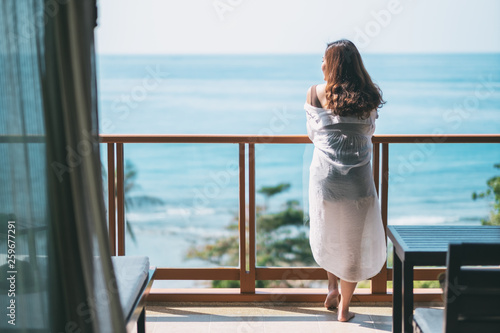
268,318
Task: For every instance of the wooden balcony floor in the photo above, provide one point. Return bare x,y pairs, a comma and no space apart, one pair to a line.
268,318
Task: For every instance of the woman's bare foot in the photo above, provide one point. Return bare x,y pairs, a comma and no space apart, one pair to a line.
344,314
332,299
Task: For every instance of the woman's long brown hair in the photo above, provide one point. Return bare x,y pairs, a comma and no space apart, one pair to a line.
350,90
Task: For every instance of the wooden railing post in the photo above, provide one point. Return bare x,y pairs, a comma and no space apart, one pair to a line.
385,183
242,218
376,166
120,198
111,199
247,272
378,284
251,217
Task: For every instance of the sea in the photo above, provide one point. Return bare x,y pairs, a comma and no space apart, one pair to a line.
186,195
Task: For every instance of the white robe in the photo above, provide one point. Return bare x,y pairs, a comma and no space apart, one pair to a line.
347,236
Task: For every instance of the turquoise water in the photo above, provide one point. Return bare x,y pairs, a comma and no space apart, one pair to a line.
241,94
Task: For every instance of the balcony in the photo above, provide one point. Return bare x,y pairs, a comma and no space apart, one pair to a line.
248,272
268,317
235,309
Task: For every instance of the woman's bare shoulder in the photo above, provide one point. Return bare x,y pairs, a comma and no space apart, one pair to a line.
321,92
321,88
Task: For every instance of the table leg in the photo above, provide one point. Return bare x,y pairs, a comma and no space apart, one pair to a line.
396,293
407,269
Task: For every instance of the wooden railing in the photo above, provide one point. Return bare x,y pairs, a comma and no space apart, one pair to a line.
248,273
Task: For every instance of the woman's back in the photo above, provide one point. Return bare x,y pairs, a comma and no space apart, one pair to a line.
343,141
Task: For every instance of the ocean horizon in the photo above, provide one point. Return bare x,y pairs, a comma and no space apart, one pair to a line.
265,94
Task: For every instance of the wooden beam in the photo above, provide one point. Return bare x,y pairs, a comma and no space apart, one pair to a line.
247,279
203,138
273,273
437,138
120,199
290,273
111,198
278,295
242,217
378,284
376,166
277,139
221,273
421,274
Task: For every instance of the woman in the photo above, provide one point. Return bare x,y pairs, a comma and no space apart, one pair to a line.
347,236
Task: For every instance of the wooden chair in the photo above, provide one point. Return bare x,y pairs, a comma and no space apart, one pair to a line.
471,294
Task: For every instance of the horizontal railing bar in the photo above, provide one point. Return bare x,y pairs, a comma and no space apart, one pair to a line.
274,139
290,273
437,138
272,273
243,138
421,274
222,273
279,295
316,273
203,138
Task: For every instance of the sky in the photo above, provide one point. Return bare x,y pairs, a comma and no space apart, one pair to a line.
296,26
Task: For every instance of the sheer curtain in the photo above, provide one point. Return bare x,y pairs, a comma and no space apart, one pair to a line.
50,177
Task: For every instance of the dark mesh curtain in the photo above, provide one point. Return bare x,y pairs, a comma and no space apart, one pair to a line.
55,267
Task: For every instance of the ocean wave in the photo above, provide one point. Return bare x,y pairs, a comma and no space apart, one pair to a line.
434,220
140,216
189,233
